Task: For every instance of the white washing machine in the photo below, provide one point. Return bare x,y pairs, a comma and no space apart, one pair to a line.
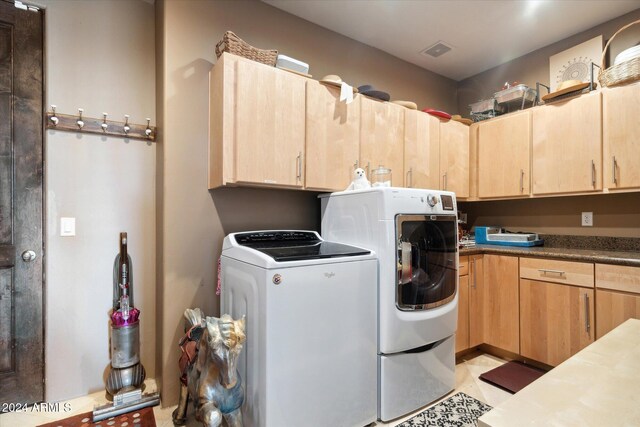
310,355
414,233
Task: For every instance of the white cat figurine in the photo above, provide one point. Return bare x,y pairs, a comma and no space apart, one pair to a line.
360,181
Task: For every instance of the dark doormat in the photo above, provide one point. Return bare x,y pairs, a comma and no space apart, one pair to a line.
512,376
142,418
460,410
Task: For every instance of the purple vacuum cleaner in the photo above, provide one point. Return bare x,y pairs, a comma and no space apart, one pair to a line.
125,379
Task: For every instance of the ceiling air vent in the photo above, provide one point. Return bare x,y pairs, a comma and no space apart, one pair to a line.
437,49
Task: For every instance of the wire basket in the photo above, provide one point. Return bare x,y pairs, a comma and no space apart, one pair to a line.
625,72
231,43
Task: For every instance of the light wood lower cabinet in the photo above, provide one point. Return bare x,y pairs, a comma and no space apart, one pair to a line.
476,298
332,138
500,302
556,321
462,332
617,296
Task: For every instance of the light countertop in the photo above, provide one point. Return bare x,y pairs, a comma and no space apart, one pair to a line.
599,386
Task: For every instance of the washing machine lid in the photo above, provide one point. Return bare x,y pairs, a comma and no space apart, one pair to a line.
295,245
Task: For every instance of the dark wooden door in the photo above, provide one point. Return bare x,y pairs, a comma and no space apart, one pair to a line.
21,205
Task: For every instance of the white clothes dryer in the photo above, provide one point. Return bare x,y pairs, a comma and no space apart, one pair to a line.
310,355
414,233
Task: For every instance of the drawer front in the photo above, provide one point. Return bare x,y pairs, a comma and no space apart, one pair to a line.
618,277
463,268
550,270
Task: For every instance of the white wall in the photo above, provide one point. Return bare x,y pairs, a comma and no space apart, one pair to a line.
100,55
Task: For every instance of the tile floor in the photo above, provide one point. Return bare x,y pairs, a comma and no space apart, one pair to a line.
468,371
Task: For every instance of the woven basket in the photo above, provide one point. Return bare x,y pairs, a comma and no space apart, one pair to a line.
625,72
233,44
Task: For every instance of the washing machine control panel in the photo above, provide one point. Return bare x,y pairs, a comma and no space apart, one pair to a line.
276,236
447,202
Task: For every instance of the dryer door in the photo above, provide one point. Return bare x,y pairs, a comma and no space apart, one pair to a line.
426,261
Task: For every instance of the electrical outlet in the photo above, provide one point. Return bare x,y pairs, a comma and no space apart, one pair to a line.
587,219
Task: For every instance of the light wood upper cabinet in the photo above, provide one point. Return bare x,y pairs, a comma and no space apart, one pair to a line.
503,156
500,302
556,321
454,158
421,150
332,138
382,138
621,136
257,125
567,146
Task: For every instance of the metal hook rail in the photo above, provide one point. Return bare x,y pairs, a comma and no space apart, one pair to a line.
78,123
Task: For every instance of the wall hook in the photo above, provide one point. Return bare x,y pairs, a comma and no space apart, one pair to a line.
147,131
126,126
53,118
104,124
79,122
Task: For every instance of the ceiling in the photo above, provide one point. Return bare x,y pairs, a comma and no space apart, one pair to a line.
481,33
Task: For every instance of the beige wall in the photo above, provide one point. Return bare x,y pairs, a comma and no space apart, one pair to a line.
616,215
195,220
99,56
534,67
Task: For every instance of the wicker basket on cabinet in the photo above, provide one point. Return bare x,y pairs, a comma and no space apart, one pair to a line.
625,72
233,44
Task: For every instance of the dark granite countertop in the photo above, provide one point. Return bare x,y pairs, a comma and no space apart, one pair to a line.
631,258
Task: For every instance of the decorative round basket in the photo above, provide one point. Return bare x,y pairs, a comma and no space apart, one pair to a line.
624,72
233,44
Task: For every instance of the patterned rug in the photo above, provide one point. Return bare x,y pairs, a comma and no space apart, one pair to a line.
460,410
142,418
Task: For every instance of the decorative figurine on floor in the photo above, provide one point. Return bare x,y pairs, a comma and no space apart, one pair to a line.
210,351
360,181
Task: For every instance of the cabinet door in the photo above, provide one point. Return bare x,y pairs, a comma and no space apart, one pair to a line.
613,309
421,150
621,131
454,158
382,138
333,138
567,146
500,302
269,125
476,297
555,320
462,333
503,156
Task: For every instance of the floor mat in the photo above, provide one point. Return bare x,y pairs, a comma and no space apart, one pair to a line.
512,376
142,418
460,410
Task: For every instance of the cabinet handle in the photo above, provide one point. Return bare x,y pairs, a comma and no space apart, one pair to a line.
444,181
368,167
593,173
355,165
587,323
522,180
615,165
547,271
473,266
410,178
299,166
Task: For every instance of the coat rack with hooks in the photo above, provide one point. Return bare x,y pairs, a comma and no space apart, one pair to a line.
78,123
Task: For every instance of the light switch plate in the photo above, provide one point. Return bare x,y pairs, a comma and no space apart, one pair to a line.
67,227
587,219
